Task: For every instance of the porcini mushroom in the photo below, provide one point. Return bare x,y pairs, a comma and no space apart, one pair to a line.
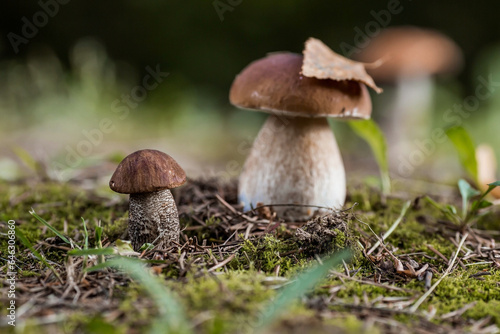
147,175
295,158
410,57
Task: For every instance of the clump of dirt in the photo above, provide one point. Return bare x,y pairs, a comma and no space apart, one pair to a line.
325,234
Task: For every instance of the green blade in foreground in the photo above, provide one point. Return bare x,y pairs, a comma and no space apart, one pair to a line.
302,284
373,135
171,318
465,148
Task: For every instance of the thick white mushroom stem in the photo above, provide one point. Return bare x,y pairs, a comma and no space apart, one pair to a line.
294,161
153,218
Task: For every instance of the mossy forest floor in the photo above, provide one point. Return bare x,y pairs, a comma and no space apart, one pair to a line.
230,265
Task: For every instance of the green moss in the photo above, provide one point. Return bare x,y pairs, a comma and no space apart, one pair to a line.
266,254
117,229
340,240
353,288
233,299
60,205
229,299
351,325
459,290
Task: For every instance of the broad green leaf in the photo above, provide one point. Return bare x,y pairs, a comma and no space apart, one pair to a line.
171,318
124,246
467,193
466,149
302,284
371,133
56,232
146,246
481,204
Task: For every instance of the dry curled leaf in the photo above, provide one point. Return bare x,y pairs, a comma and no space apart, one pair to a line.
322,63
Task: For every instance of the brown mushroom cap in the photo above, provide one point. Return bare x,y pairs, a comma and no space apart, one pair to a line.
147,171
275,84
411,52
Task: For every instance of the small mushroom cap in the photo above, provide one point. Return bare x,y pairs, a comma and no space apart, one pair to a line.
147,171
275,84
411,52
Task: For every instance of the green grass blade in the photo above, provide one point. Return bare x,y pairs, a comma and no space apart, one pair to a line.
171,318
302,284
86,235
39,256
465,148
373,135
85,242
56,232
98,236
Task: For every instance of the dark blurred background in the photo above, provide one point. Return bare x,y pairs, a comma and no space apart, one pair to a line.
190,39
65,77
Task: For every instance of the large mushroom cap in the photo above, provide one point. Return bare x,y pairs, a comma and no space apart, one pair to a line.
410,52
147,171
275,84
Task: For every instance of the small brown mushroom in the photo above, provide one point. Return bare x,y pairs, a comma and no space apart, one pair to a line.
147,175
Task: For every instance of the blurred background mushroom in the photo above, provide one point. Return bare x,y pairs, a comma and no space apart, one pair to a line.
409,58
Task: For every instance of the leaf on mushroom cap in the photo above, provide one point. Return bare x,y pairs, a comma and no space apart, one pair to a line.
274,84
147,171
322,63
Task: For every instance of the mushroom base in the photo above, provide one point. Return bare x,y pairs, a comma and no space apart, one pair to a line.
153,218
294,161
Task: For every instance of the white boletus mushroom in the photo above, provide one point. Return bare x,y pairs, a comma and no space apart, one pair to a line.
410,57
147,175
295,158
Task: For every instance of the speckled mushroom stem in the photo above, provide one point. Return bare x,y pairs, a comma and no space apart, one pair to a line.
294,160
153,216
